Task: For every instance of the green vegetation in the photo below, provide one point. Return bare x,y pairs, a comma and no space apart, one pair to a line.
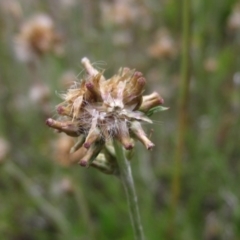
42,197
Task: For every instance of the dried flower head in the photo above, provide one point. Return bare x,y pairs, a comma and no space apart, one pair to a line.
163,45
97,110
124,12
39,93
37,36
12,8
210,64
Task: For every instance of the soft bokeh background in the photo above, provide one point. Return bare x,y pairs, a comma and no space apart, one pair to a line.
43,198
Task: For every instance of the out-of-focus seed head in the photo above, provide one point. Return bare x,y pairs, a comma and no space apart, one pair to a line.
66,186
39,93
12,8
61,147
163,46
211,64
97,111
124,13
37,36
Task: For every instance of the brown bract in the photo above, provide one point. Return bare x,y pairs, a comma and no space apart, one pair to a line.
97,110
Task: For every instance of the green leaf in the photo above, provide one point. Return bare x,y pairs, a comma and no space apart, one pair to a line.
156,109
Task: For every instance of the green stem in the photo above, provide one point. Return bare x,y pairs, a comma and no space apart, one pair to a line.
183,103
128,183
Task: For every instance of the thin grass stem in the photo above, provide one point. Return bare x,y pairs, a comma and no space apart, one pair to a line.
183,101
50,210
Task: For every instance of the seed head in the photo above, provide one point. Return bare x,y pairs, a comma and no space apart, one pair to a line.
36,37
98,110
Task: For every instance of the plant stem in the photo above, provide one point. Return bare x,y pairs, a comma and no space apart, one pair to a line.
183,101
128,183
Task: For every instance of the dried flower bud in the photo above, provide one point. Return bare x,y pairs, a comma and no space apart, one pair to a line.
91,154
99,110
93,136
151,101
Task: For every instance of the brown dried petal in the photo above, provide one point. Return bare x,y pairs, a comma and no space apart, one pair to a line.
70,128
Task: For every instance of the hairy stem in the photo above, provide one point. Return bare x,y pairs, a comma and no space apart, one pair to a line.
128,183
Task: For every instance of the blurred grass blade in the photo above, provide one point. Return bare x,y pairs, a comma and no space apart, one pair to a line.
52,212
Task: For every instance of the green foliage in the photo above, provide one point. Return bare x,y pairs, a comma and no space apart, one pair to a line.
156,109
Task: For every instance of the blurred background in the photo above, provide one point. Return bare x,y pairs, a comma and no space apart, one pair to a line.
41,46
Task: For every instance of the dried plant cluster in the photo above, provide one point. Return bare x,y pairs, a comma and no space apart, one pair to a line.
97,110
